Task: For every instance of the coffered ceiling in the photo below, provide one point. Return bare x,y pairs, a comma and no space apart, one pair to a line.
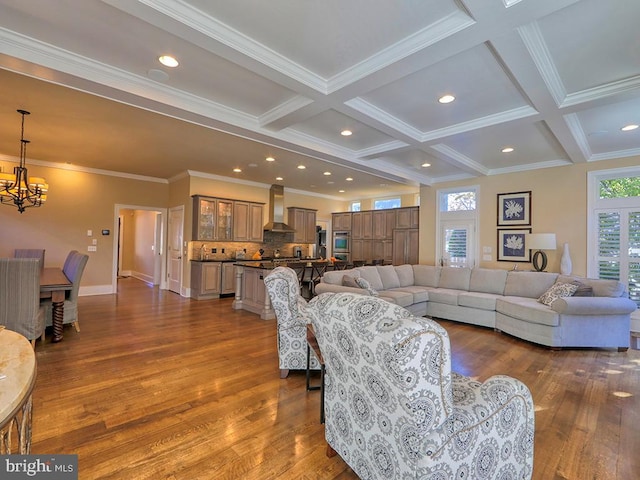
553,79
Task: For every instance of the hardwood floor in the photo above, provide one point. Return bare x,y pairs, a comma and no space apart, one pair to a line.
161,387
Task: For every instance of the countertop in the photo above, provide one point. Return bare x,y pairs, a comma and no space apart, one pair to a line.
269,260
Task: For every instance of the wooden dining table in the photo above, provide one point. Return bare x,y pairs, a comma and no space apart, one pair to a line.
54,284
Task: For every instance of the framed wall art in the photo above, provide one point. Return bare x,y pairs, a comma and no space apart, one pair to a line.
514,209
512,246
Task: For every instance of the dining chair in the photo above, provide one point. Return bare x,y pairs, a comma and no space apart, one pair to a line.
73,268
317,270
30,253
20,308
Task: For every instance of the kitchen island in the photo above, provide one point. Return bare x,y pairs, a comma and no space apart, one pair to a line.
251,292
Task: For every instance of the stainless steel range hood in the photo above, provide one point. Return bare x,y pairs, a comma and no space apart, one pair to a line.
276,211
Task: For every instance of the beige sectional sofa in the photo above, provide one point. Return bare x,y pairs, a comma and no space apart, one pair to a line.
505,300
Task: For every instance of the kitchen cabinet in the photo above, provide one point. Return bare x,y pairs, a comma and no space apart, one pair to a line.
205,280
362,250
341,222
408,217
228,278
383,249
204,218
247,221
384,221
303,220
362,225
405,246
214,219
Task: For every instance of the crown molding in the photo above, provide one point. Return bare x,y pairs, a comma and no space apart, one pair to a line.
376,113
631,152
461,158
575,127
530,166
285,108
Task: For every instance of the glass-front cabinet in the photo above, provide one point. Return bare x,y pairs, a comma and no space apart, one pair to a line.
204,218
224,224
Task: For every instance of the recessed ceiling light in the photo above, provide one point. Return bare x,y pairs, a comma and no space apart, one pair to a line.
346,132
341,191
327,173
425,165
507,150
446,98
628,128
279,179
168,61
301,167
330,183
270,159
253,165
349,179
237,170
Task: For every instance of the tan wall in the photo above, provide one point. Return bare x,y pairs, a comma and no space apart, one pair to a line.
558,205
77,202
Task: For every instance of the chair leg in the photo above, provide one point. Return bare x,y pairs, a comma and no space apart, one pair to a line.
284,372
76,325
33,343
42,337
330,451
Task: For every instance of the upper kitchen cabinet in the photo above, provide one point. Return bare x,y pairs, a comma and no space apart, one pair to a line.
204,218
384,221
408,217
224,220
341,222
303,221
362,225
247,221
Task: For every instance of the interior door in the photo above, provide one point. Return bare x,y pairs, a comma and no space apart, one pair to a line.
174,247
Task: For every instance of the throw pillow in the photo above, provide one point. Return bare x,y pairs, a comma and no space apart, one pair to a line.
349,281
556,291
363,283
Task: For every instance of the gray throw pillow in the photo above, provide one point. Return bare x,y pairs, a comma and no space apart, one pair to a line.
363,283
583,290
349,281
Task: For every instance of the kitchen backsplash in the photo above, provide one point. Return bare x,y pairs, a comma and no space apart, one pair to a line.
225,250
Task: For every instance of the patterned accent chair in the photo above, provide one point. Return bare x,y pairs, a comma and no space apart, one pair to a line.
291,317
73,268
395,410
20,308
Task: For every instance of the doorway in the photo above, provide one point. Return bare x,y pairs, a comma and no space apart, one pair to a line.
139,251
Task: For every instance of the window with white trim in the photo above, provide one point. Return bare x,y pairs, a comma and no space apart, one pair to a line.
384,203
355,206
457,221
613,245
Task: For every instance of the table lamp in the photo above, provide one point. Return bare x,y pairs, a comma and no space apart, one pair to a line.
540,242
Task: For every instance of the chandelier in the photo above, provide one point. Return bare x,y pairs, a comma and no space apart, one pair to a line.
18,189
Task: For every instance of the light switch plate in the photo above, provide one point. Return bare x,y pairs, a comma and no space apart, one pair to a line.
92,248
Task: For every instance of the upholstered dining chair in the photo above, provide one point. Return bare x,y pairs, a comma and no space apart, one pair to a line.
20,308
73,268
30,253
291,319
395,410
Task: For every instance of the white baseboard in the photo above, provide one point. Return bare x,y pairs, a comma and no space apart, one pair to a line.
95,290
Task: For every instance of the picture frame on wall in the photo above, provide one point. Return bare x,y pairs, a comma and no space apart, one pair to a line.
514,208
512,245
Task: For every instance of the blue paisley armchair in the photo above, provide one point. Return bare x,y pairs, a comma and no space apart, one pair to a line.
291,318
395,410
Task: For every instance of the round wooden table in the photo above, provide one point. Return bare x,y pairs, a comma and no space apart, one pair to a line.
17,378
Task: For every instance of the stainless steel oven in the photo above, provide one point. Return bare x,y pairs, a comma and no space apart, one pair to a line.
341,242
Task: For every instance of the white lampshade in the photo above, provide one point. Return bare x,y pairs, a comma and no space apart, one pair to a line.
540,241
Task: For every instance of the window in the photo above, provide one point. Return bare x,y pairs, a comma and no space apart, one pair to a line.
385,203
456,201
355,206
457,220
614,246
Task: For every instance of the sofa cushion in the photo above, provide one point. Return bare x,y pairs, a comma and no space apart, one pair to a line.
455,278
397,296
389,277
420,294
370,273
479,300
405,275
335,277
528,284
601,287
556,291
487,280
448,296
426,275
527,309
583,290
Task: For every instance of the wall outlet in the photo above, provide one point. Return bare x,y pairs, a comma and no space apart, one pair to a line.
92,248
486,258
94,241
